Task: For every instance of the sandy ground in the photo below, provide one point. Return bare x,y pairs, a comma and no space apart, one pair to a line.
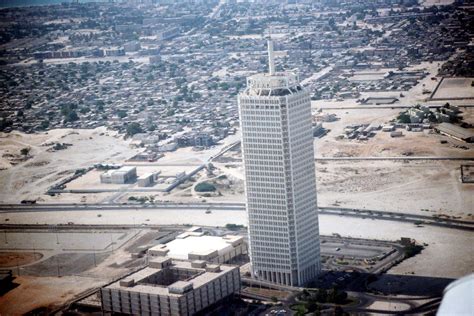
47,292
50,292
396,186
455,88
76,198
30,179
12,259
390,306
425,143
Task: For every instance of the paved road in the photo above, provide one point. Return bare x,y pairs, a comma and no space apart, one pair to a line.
390,106
394,158
360,213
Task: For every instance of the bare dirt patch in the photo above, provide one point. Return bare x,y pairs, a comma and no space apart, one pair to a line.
13,259
46,293
455,88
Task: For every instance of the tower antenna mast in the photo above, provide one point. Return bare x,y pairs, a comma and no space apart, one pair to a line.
271,57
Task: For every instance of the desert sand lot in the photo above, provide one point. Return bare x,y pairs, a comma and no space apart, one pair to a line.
453,88
423,187
45,292
31,178
82,265
418,187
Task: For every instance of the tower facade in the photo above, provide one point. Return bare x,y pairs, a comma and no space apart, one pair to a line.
280,182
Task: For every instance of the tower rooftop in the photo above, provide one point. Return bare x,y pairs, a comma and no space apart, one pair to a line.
272,83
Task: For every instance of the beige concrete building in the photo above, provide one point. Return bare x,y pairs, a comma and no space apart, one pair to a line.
168,287
195,245
123,175
146,179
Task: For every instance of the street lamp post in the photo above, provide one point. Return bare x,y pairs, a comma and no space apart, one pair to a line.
95,262
57,265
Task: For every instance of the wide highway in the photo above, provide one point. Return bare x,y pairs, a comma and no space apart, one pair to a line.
417,219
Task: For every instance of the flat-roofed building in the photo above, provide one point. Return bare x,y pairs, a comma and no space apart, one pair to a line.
195,245
123,175
168,287
456,132
145,180
280,181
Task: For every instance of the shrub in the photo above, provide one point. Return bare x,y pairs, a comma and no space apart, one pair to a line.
134,128
25,151
404,118
233,226
205,187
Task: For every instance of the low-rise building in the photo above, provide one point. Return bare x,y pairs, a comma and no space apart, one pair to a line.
123,175
171,287
195,245
456,132
146,180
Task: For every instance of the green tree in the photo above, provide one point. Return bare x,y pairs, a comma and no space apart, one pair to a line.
205,187
71,116
404,118
121,114
134,128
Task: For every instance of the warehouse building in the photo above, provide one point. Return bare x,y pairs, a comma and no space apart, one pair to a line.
456,132
123,175
168,287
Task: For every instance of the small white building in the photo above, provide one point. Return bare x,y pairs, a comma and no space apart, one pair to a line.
387,128
123,175
146,180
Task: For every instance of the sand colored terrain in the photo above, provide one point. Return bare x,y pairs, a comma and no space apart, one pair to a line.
32,178
46,292
50,292
426,188
452,88
14,259
425,143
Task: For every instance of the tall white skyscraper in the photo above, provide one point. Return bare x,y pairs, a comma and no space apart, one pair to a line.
280,181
